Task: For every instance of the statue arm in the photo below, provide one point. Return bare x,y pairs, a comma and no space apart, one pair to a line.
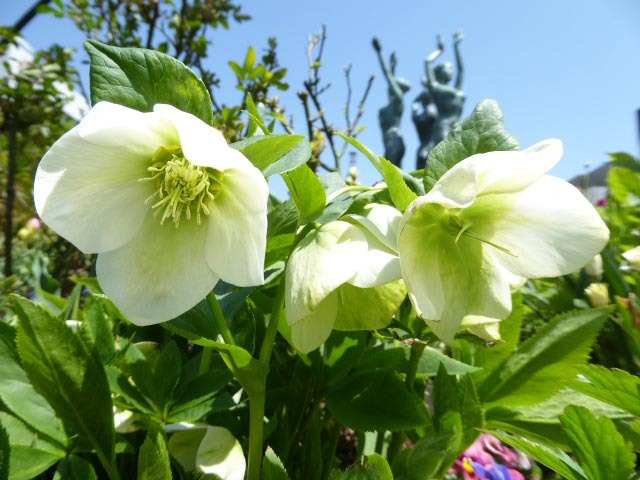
386,69
457,38
428,65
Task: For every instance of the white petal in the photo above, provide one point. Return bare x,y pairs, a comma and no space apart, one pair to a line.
449,280
382,221
221,454
486,328
494,172
114,126
202,144
322,261
183,444
550,227
310,332
160,274
90,194
237,228
380,266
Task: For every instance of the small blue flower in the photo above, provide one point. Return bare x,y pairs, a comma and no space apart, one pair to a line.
498,472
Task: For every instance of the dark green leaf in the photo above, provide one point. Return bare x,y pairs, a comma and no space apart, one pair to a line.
272,467
542,364
483,131
599,448
74,468
5,453
153,459
553,458
377,400
62,370
138,78
431,360
400,193
426,458
306,192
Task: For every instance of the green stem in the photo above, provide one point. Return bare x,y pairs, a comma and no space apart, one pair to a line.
397,439
205,360
256,430
257,398
221,322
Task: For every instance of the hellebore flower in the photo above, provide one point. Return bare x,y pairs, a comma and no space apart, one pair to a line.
207,449
168,206
490,221
344,276
633,257
598,294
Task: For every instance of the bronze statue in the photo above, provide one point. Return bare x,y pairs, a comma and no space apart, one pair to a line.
439,107
391,114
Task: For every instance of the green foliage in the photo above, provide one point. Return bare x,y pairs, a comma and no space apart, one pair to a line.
306,192
376,400
153,460
63,371
272,467
138,78
482,131
600,449
5,452
541,364
616,387
275,154
75,468
374,467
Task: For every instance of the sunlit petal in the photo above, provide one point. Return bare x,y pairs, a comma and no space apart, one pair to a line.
311,331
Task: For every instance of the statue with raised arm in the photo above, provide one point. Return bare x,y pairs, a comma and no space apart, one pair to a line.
391,114
447,99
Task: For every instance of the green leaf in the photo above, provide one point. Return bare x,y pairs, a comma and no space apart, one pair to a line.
483,131
616,387
97,331
272,467
400,193
153,459
138,78
306,192
377,400
364,150
5,453
431,360
541,365
27,463
425,459
256,120
62,371
374,467
553,458
75,468
275,154
19,396
249,59
599,448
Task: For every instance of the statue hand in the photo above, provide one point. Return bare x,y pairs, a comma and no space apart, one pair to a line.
458,37
393,60
376,44
440,42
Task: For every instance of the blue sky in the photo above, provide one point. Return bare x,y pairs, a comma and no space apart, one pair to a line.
565,69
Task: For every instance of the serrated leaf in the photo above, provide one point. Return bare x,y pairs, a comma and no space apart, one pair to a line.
19,396
153,459
401,194
374,467
483,131
27,463
138,78
306,192
75,468
377,400
555,459
431,359
599,448
616,387
272,467
426,458
67,376
542,364
275,154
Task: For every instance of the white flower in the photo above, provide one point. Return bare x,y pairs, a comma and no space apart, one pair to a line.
633,257
598,294
168,206
344,276
210,450
491,220
595,268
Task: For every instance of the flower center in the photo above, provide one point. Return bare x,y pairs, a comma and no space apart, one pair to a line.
457,226
181,187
